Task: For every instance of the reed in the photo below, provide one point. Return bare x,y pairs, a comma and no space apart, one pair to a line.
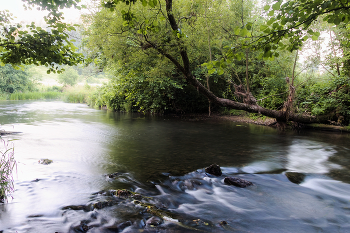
78,94
7,165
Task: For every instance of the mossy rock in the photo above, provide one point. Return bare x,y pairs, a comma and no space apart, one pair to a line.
45,161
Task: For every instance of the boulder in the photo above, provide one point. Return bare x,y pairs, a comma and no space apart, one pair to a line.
214,169
295,177
238,182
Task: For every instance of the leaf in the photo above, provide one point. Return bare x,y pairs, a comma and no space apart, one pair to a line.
270,21
267,7
212,71
314,37
220,71
271,13
244,32
277,5
249,26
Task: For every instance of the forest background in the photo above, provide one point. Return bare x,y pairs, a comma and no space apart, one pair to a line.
287,60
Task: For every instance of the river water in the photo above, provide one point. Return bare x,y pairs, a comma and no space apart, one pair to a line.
163,159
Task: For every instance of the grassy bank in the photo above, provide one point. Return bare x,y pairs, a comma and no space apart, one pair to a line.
51,95
77,94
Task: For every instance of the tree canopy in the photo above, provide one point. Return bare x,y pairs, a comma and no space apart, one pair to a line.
29,44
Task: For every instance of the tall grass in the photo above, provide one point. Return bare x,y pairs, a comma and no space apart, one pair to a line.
35,95
7,164
77,94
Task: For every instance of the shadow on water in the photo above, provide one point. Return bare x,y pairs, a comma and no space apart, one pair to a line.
162,160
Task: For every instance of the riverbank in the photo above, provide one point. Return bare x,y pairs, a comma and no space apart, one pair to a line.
265,121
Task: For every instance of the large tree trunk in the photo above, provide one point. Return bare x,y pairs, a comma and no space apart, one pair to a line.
280,116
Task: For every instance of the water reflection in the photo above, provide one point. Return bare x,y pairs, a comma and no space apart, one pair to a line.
307,156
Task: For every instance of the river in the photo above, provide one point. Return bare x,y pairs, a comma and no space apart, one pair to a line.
161,160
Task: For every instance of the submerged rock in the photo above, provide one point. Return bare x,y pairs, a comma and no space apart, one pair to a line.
154,221
214,169
83,226
113,175
76,207
238,182
45,161
295,177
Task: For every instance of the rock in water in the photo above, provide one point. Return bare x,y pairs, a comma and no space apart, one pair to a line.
214,169
154,221
45,161
295,177
238,182
113,175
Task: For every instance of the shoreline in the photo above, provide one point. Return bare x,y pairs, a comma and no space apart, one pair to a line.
265,121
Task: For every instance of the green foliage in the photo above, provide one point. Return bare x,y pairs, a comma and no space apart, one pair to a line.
77,94
7,165
50,47
292,20
12,80
327,97
69,77
49,95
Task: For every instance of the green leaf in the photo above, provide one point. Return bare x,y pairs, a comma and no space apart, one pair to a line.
277,5
244,32
220,71
270,21
271,13
314,37
212,71
267,7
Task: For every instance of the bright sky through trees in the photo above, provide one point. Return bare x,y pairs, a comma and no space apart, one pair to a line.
22,15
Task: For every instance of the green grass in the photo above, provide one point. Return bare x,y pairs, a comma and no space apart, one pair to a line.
35,95
78,94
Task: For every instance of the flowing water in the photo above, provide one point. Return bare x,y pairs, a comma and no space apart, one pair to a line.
162,160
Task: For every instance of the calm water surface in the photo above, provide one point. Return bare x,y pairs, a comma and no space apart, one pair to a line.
163,159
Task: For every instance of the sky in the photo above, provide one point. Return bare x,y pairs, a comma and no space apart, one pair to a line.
16,8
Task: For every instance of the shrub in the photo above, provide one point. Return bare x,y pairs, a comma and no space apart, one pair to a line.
7,164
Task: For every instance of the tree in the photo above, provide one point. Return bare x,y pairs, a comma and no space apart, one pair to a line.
288,22
12,80
34,45
69,77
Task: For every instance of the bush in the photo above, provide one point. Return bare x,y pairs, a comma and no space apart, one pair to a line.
7,164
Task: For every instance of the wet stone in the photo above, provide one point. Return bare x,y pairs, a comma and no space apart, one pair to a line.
214,169
154,221
113,175
295,177
101,204
75,207
123,193
124,225
238,182
45,161
81,227
223,223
